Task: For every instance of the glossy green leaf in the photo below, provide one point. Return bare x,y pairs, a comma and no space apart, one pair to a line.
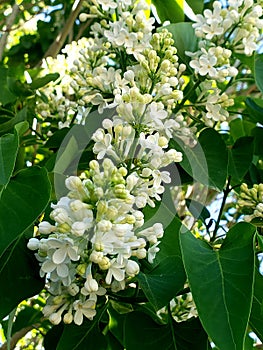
8,152
240,128
196,5
258,137
246,60
19,276
116,322
8,126
9,144
256,316
260,241
86,337
259,71
141,332
170,10
255,110
23,200
207,161
163,282
198,210
168,275
52,337
240,158
221,282
40,82
6,95
184,39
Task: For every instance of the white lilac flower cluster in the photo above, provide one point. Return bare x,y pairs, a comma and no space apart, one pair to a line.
98,238
222,31
123,63
251,202
235,28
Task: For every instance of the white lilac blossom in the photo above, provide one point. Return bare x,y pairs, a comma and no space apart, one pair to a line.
236,26
96,241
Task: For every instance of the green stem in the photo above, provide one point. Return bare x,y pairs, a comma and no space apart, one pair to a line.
185,98
9,328
227,190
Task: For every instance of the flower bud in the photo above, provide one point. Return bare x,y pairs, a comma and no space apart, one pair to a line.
33,244
73,183
45,227
91,285
68,318
132,268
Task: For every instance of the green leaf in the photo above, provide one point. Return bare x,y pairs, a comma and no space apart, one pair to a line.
207,161
19,276
112,342
256,111
256,316
52,337
116,322
171,10
23,200
6,95
259,71
258,135
184,39
8,152
9,144
141,332
163,282
260,241
240,158
40,82
196,5
8,126
168,276
198,210
221,282
247,60
86,337
240,128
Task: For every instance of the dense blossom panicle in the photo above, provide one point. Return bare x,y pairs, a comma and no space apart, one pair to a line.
96,240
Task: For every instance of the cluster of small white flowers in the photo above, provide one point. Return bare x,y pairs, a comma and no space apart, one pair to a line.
213,62
251,201
93,76
223,30
236,26
97,238
215,103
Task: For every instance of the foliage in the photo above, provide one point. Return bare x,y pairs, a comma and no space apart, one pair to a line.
131,174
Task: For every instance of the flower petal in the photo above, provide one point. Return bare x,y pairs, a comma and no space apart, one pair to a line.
48,266
59,256
62,270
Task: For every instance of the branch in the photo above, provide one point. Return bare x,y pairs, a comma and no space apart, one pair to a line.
19,335
56,46
9,22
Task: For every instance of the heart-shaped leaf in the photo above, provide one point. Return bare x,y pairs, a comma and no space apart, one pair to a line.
221,282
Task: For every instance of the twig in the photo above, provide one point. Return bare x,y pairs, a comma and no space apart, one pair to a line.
83,27
9,23
56,46
226,193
